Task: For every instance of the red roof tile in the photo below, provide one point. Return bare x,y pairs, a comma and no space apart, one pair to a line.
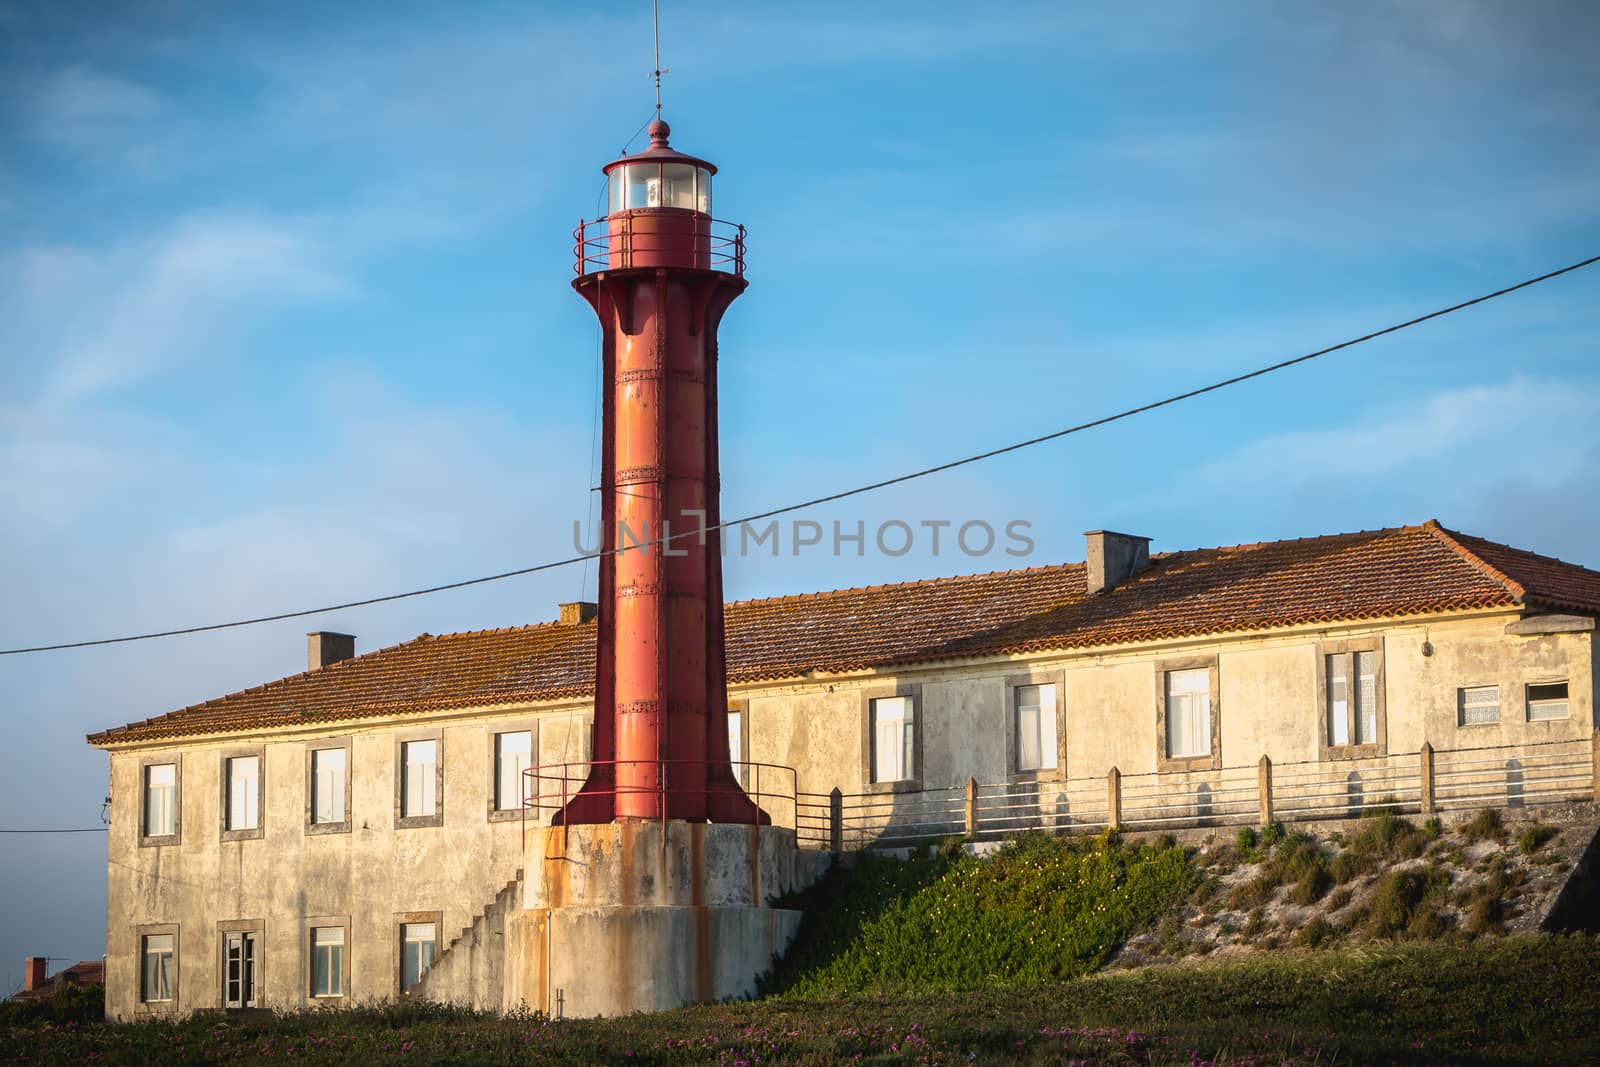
1412,570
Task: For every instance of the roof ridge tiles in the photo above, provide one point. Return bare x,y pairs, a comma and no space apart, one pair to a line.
1517,590
819,594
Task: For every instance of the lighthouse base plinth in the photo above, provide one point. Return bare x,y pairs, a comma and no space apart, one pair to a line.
644,916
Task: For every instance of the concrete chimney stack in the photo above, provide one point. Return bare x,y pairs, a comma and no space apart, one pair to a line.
33,973
324,647
1114,558
578,612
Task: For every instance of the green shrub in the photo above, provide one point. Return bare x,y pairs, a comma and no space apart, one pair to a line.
1311,886
68,1004
1350,865
1271,834
1246,841
1433,827
1533,838
1040,908
1338,898
1316,933
1485,826
1399,896
1256,892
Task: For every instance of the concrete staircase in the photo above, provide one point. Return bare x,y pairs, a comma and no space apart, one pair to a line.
470,971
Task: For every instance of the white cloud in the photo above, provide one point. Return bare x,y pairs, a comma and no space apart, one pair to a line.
81,108
1456,426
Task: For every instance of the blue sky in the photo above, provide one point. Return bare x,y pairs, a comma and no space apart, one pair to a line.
284,313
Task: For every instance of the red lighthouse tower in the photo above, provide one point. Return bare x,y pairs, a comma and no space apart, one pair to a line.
660,272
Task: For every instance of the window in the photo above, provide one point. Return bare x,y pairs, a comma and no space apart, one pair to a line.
1350,684
419,762
239,969
513,754
1036,727
894,728
244,793
417,948
161,800
1479,705
327,961
736,742
1547,701
1188,705
328,784
160,953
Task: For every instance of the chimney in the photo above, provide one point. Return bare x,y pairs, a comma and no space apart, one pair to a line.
324,647
33,968
1114,558
578,612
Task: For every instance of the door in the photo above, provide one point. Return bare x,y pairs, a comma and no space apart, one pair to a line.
239,970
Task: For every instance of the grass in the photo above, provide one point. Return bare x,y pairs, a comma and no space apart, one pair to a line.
1523,1000
1040,908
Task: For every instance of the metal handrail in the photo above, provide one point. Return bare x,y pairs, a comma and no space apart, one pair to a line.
611,243
533,796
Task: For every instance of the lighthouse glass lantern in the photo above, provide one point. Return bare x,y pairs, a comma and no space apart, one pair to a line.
659,215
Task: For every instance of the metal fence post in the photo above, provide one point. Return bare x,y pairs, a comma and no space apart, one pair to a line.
1426,773
836,820
1113,797
972,807
1594,747
1264,776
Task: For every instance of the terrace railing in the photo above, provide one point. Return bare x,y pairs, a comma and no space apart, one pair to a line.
1421,782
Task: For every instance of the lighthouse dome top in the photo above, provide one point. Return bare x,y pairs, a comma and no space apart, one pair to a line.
659,177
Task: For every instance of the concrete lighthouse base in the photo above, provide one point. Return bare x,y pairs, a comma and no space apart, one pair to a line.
643,916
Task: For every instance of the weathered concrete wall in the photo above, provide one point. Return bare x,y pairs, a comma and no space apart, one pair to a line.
636,916
470,971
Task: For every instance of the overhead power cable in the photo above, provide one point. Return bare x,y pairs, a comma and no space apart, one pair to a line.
829,498
73,830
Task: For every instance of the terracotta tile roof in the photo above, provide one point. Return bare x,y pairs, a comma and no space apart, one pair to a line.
1406,571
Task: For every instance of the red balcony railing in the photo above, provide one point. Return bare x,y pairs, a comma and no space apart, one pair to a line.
658,239
547,788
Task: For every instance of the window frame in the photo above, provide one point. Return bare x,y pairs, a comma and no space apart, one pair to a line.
402,919
1352,750
309,929
1212,760
158,840
141,933
531,728
1013,682
258,929
1461,706
913,783
436,818
225,773
740,708
320,745
1528,701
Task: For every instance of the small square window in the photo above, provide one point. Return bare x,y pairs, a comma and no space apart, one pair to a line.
327,961
1546,701
160,955
894,731
1479,705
